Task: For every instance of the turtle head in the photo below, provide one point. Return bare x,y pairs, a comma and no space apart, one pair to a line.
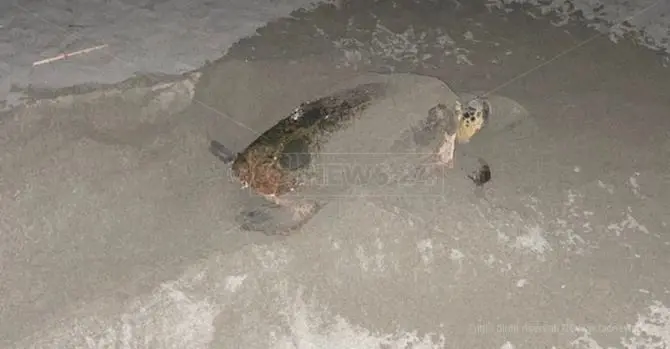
478,108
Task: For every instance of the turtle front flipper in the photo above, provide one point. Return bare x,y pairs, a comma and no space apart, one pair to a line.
450,118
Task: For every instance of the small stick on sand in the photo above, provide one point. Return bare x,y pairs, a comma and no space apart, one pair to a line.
66,55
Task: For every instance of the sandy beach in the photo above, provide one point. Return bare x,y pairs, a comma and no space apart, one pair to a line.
118,226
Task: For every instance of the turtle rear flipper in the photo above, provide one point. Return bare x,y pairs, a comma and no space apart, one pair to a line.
220,151
274,219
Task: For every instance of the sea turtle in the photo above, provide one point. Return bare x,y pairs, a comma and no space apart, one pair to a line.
472,118
306,156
